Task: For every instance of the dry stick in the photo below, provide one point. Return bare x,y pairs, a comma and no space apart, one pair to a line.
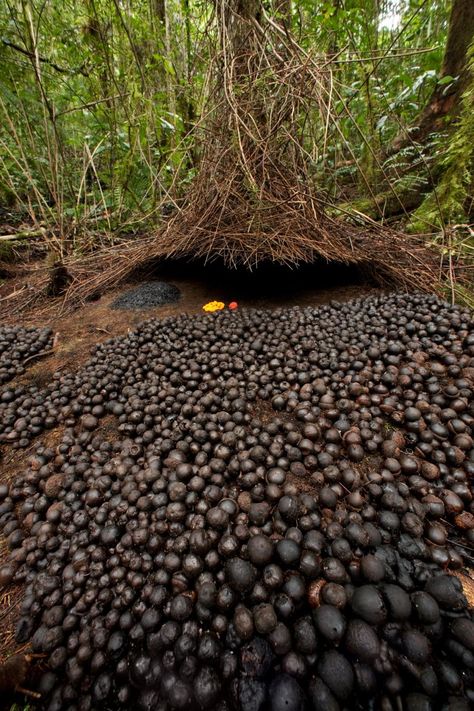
91,163
46,210
90,157
14,294
91,104
41,354
23,235
396,55
35,63
30,55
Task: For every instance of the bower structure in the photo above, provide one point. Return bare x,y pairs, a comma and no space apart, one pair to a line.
264,127
266,122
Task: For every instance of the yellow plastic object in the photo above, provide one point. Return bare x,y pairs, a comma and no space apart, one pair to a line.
214,306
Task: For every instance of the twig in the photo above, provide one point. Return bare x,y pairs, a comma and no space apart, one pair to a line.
49,62
14,294
91,104
396,55
23,235
41,354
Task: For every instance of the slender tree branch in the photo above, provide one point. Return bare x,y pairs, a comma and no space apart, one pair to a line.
45,60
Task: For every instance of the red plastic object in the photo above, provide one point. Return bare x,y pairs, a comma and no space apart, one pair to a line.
233,305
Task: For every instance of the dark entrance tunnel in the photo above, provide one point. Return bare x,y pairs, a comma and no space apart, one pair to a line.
269,284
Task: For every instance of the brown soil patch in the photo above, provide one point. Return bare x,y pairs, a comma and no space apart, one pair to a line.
304,484
262,410
14,461
368,465
108,428
467,581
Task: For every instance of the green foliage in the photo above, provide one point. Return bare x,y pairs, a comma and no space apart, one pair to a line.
99,101
450,201
464,296
93,110
394,67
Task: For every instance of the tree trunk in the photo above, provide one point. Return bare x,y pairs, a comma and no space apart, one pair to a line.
386,205
158,8
234,16
444,100
453,201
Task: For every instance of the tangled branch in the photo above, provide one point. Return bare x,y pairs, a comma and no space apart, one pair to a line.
267,121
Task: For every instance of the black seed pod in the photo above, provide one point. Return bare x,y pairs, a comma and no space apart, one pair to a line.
367,602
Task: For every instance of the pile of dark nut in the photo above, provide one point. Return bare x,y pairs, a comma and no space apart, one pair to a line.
276,524
18,346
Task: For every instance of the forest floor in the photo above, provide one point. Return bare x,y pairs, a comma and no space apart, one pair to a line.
76,334
78,331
